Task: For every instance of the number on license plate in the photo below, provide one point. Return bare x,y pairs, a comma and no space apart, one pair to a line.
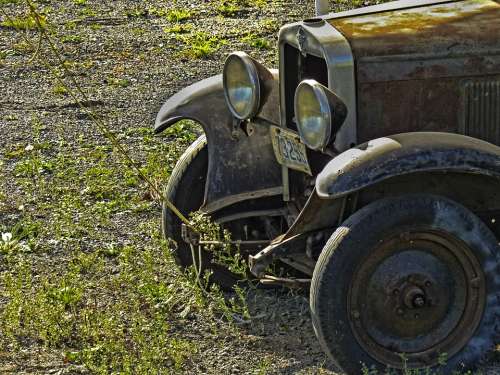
289,150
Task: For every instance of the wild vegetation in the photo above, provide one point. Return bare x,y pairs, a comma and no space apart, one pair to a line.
87,283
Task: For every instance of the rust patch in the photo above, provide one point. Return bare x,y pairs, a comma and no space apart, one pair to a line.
464,26
412,20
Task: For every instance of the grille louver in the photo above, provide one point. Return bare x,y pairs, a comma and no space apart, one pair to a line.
481,110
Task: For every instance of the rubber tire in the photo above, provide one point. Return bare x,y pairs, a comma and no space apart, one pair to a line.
355,238
186,190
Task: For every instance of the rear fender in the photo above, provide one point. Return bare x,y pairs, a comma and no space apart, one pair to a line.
241,164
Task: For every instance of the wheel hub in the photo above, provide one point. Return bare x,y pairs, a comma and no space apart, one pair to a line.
420,294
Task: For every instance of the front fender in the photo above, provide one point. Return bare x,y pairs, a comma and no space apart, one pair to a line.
400,154
192,103
241,165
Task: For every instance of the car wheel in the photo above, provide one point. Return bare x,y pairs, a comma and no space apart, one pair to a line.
408,281
186,190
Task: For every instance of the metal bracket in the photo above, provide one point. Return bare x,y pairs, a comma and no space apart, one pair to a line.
279,248
286,282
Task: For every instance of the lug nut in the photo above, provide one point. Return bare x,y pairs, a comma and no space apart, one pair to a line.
419,301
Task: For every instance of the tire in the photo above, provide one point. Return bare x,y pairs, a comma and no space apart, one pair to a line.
186,189
398,242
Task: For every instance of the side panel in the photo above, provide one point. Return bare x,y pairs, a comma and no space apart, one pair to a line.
241,159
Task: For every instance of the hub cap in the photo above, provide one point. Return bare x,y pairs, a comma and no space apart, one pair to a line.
420,294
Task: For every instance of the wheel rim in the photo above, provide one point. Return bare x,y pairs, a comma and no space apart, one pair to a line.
418,295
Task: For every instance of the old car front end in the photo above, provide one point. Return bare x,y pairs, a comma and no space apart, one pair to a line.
370,164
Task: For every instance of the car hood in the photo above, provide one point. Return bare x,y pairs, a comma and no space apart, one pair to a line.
396,30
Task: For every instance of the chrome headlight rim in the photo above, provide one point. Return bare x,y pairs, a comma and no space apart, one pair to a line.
254,80
325,110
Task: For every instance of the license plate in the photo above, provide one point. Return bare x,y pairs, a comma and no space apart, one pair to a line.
289,150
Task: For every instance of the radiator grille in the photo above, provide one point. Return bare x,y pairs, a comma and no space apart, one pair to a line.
297,68
482,110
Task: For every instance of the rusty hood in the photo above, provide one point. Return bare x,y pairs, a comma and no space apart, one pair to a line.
422,29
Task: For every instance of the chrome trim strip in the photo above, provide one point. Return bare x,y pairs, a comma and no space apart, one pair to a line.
322,40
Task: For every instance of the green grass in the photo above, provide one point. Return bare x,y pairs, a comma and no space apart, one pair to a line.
5,2
256,41
107,306
27,22
201,44
178,29
118,82
228,8
178,15
231,8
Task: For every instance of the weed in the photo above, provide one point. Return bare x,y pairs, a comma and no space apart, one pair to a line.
178,15
88,12
178,29
5,2
263,367
9,245
201,44
33,166
27,22
228,8
136,13
269,25
80,2
118,82
255,41
4,54
59,89
72,39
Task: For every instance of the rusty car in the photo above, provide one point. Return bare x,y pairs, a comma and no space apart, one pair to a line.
368,165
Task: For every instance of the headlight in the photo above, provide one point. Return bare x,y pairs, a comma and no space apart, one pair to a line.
319,114
241,85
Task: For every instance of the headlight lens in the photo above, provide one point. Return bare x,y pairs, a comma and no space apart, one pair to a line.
241,85
313,114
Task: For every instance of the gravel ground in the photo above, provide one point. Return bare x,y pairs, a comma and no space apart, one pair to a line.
129,58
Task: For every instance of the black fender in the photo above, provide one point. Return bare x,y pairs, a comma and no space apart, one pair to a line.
396,155
241,163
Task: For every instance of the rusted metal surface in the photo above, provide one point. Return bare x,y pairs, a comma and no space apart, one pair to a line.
411,64
402,154
241,165
420,293
452,28
286,282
